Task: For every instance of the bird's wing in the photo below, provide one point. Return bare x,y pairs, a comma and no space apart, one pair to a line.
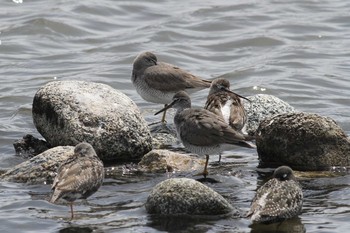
175,78
78,176
204,128
238,116
277,199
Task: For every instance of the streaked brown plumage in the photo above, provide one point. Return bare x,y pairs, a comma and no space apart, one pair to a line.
278,199
226,104
79,177
157,82
201,131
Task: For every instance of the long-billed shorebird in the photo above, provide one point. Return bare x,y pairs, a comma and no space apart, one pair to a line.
201,131
226,104
279,198
158,82
79,177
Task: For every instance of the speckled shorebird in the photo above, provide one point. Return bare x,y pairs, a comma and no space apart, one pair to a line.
279,198
201,131
158,82
226,104
79,177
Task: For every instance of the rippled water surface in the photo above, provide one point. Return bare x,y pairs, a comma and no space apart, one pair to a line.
296,50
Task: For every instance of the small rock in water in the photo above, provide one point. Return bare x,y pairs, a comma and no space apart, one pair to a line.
41,168
30,146
162,161
183,196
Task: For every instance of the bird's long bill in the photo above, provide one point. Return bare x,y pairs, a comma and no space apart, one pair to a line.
167,106
242,97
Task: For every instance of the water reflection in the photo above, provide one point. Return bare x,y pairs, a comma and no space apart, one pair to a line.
76,229
293,225
176,223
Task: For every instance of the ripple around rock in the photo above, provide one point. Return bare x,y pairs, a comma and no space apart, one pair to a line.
183,196
41,168
302,141
261,107
69,112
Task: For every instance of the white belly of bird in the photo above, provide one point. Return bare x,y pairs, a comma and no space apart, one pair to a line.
226,110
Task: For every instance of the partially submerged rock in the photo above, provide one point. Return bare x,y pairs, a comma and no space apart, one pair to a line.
41,168
161,161
29,146
261,107
302,141
183,196
69,112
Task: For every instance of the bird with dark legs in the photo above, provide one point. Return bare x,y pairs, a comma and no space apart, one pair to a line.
201,131
79,177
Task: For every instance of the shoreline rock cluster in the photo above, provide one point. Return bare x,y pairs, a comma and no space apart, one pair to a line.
68,112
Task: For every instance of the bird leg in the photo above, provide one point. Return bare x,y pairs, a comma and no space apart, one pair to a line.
164,113
205,172
71,210
219,158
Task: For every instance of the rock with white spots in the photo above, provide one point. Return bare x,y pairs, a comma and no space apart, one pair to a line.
69,112
183,196
161,161
303,141
261,107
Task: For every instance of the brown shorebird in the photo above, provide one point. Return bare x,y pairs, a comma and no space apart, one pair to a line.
201,131
278,199
79,177
157,82
226,104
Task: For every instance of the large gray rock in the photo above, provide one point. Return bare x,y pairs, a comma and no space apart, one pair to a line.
69,112
183,196
261,107
161,161
41,168
302,141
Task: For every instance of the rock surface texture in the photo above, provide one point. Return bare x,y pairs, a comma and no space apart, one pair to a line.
161,161
302,141
41,168
183,196
261,107
69,112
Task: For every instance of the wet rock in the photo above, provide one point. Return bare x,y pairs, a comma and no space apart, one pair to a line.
302,141
161,140
261,107
160,161
183,196
41,168
30,146
69,112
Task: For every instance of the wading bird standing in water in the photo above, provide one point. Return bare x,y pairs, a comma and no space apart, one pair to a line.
79,177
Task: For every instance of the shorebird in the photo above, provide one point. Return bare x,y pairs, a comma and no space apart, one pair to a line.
279,198
79,177
226,104
157,82
201,131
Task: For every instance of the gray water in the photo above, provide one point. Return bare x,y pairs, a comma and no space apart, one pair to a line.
296,50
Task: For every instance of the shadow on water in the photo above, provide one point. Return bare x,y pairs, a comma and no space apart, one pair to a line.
76,229
177,224
293,225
